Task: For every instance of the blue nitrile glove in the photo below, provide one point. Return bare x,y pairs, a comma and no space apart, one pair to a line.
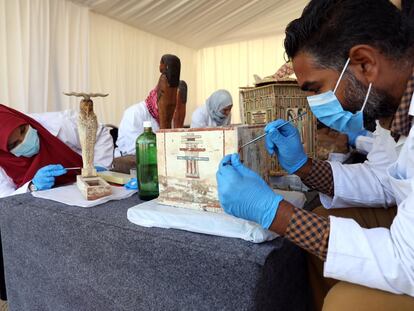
352,136
100,168
132,184
244,194
286,143
45,176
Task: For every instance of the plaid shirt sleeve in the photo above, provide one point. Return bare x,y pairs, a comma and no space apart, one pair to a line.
320,178
309,231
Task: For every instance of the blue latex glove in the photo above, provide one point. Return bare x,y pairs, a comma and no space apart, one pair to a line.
244,194
132,184
352,136
45,177
100,168
286,143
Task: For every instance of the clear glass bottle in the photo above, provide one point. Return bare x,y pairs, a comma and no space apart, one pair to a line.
147,171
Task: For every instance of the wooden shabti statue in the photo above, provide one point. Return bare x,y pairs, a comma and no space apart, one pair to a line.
180,108
170,67
91,186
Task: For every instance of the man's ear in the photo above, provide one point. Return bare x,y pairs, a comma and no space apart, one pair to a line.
364,62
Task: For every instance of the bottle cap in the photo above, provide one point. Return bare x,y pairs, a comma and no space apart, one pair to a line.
147,124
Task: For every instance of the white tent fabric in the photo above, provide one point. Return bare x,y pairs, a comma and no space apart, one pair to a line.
43,51
231,66
124,63
51,46
201,23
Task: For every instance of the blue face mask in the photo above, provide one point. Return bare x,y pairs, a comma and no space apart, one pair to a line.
327,109
29,146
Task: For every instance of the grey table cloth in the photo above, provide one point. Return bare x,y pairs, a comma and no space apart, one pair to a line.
60,257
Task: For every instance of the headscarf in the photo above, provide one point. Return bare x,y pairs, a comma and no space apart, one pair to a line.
52,150
152,106
215,103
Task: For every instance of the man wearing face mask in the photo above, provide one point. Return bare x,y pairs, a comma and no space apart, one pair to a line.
356,58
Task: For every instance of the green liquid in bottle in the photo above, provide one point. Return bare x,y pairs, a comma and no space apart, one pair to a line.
147,171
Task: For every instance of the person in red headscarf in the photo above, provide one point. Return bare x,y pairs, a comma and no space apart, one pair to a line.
34,152
33,156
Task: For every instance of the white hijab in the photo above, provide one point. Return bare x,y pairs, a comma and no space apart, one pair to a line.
217,101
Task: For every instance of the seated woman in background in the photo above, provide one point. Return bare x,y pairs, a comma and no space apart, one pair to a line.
34,151
215,112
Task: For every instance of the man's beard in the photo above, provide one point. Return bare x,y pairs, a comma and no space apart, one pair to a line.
380,103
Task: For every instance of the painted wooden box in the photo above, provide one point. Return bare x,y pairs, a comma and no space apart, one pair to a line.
188,160
284,100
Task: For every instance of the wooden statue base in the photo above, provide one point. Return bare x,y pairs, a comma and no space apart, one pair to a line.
93,188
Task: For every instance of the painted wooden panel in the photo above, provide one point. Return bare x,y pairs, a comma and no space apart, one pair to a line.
188,160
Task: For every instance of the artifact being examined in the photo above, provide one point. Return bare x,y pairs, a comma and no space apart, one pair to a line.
89,183
170,68
188,160
261,105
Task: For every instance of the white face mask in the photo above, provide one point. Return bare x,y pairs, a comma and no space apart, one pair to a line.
327,109
29,146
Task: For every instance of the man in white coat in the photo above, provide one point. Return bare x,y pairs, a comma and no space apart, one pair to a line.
63,125
356,60
131,125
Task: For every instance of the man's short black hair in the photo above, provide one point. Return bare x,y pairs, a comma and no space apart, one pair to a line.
328,29
182,87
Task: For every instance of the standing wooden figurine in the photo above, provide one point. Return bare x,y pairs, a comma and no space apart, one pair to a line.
170,68
91,186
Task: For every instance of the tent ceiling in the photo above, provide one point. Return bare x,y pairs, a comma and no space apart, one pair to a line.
201,23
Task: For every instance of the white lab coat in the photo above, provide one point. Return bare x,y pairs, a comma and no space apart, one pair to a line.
379,258
366,184
131,127
201,118
63,125
364,144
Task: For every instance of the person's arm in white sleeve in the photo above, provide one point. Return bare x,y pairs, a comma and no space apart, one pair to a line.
363,144
358,185
338,157
104,147
7,186
362,140
364,184
198,119
130,128
378,258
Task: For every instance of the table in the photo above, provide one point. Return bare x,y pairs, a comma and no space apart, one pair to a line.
60,257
